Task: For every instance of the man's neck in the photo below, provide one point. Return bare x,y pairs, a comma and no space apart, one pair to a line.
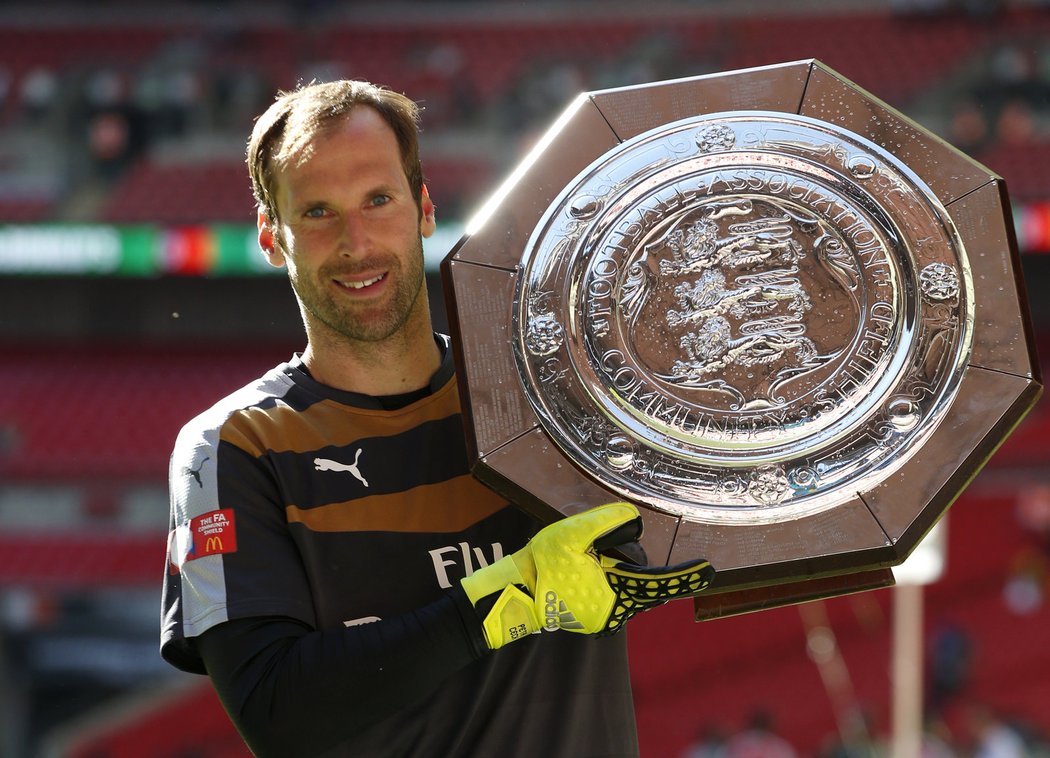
391,367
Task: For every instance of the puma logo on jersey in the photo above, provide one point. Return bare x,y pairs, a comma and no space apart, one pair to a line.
324,464
196,472
362,620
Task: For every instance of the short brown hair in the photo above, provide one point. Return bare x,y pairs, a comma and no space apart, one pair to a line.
297,116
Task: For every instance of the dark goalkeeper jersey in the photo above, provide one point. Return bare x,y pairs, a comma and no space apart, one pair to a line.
292,499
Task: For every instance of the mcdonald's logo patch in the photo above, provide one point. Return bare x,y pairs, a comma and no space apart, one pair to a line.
212,533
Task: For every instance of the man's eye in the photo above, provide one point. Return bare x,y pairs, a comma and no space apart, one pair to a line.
315,213
380,200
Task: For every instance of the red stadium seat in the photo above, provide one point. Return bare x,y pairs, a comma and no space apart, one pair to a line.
182,194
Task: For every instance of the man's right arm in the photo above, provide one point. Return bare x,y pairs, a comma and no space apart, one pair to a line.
292,690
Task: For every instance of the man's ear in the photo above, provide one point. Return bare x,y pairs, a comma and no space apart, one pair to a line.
428,222
267,240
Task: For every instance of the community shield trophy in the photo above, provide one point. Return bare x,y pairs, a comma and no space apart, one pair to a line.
781,318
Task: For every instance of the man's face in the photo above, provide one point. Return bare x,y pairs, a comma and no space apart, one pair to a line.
351,232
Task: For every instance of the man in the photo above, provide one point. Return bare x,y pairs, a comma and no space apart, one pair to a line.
346,584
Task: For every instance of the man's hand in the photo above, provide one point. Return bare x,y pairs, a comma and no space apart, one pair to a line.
561,580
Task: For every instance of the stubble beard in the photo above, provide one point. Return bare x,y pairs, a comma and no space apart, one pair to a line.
359,322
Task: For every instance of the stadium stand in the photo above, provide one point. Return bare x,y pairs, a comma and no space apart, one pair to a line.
158,193
504,75
85,431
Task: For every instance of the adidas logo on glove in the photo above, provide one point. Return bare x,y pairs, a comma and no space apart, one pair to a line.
557,614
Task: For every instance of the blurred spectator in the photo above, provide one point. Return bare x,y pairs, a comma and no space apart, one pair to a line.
6,86
10,439
1011,77
968,129
182,94
109,141
856,740
919,7
991,736
543,89
170,89
1012,68
1032,511
936,740
237,94
759,740
981,9
655,56
1016,123
977,9
710,743
440,74
1025,584
949,663
114,132
38,92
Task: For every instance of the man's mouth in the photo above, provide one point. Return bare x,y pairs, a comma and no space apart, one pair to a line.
360,284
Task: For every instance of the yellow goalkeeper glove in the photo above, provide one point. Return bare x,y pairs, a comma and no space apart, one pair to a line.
560,580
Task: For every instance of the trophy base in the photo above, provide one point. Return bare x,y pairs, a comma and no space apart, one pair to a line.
735,602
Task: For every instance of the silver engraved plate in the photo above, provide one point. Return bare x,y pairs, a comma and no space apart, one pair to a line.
740,316
783,319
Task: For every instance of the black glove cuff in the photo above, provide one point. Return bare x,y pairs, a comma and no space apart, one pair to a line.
472,616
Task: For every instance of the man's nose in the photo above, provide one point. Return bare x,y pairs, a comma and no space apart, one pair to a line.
354,238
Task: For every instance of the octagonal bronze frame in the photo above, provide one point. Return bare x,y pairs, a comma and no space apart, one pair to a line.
846,549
